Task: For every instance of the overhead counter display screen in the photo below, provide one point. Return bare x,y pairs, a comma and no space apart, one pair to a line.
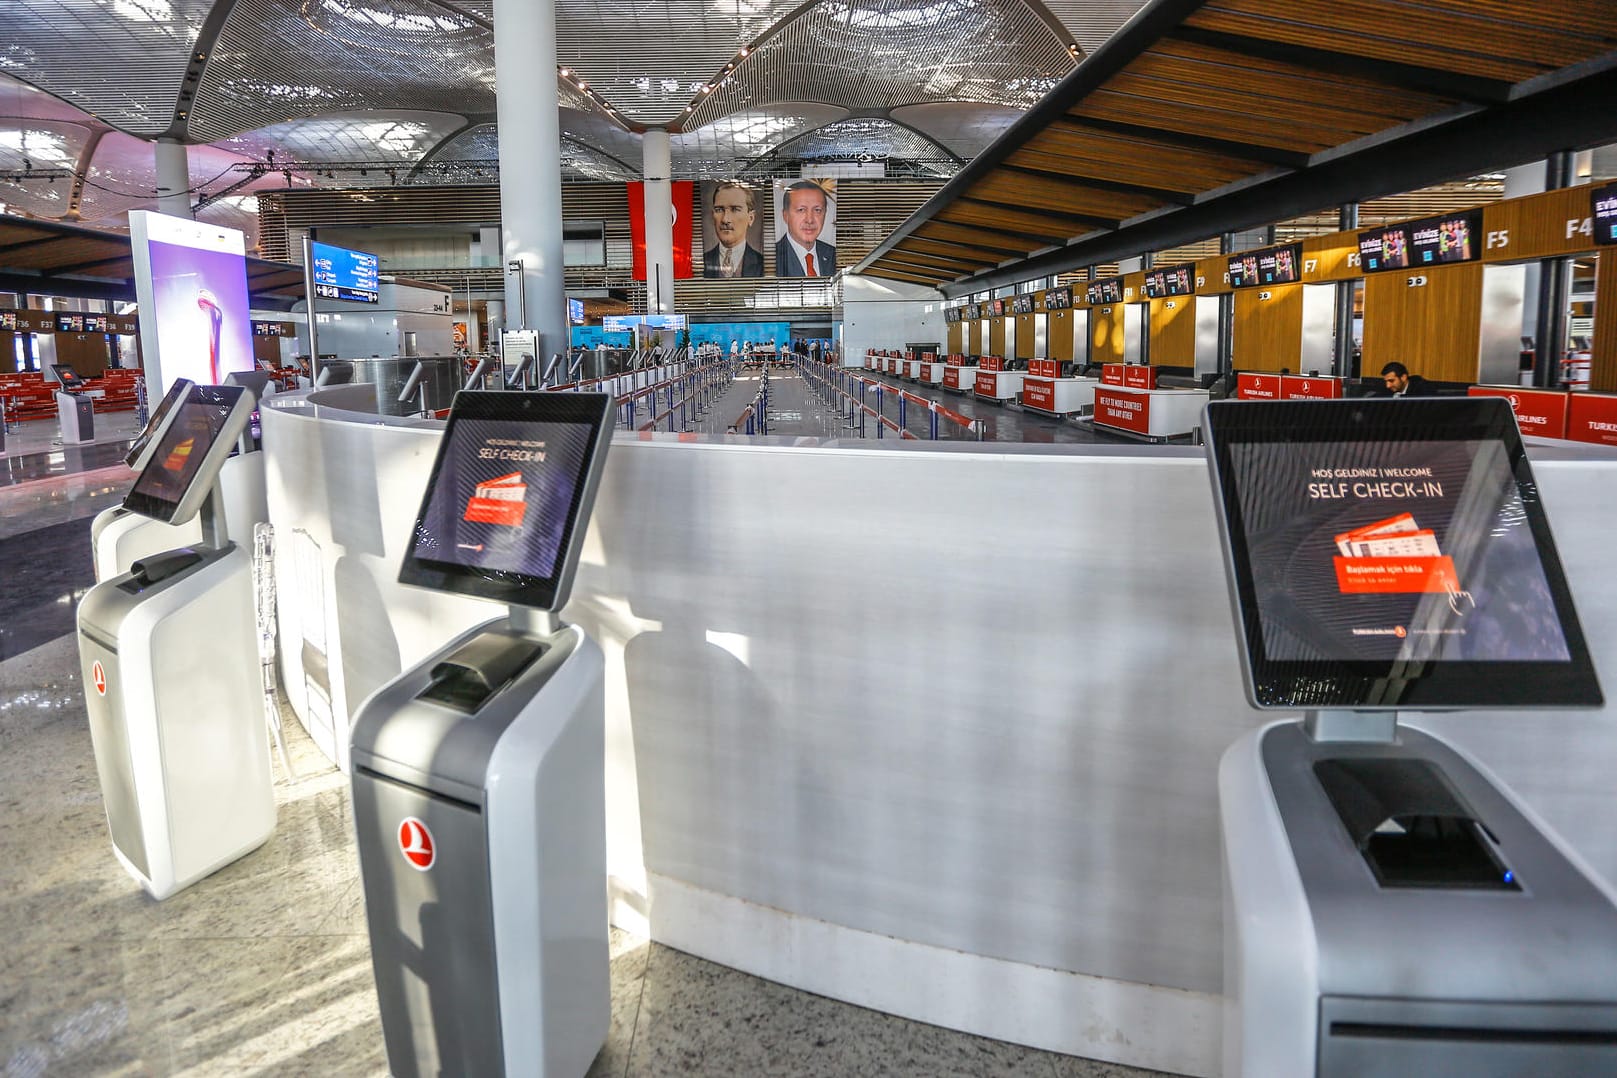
1387,556
1431,241
1603,210
343,274
510,489
1272,265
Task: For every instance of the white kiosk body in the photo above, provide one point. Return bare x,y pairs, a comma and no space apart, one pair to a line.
120,537
75,412
1390,909
169,653
479,773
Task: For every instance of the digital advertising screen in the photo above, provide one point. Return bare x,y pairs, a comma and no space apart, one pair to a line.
575,311
70,323
1431,241
1272,265
343,274
1107,291
663,321
1169,281
191,282
1393,559
513,478
1058,299
1603,213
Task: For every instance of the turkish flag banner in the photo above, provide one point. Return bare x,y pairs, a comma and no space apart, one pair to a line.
681,193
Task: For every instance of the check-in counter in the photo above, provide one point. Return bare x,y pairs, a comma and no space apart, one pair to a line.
1153,414
1058,396
959,379
998,385
912,369
1252,386
919,861
932,373
1539,412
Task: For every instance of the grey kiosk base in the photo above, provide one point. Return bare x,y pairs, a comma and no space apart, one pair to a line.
1390,909
481,821
479,773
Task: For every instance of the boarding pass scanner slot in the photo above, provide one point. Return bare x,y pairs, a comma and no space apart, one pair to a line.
467,677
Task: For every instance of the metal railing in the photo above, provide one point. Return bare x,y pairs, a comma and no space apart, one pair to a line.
695,389
836,385
755,418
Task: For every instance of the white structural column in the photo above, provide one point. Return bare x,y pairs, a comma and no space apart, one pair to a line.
530,169
173,178
656,164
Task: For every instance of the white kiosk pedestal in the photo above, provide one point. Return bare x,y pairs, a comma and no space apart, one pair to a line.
75,414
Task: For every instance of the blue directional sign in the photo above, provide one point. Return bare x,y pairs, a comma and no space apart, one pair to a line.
343,274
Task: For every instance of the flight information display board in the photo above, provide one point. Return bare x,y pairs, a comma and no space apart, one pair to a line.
1392,554
343,274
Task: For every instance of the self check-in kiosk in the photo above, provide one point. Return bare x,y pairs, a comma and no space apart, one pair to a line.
169,655
478,774
119,536
1390,908
75,412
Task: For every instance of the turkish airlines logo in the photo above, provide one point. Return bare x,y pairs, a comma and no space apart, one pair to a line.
1515,402
415,842
99,676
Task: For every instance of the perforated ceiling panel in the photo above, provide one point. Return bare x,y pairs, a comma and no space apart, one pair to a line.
121,60
722,147
394,135
880,54
964,128
281,60
872,140
649,58
1091,22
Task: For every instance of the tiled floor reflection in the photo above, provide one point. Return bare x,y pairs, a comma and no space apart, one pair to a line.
264,968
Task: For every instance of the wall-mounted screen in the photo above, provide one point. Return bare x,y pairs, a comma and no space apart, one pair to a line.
575,311
1389,553
191,282
1022,304
343,274
1108,291
1271,265
1603,212
1169,281
1058,299
1431,241
510,493
664,321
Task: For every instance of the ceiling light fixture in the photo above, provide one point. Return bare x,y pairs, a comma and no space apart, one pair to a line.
566,73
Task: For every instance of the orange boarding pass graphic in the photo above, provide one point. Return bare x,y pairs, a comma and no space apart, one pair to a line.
175,461
1395,556
499,501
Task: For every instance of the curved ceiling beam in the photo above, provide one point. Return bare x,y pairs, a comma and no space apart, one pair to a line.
179,127
433,151
864,114
81,170
734,66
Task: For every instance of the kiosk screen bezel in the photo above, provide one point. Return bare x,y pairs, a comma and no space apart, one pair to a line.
136,457
67,377
225,409
594,411
1425,685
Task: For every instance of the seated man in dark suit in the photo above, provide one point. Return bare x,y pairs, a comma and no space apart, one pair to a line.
1400,383
734,209
801,252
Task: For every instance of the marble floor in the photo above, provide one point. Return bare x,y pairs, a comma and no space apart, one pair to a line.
264,967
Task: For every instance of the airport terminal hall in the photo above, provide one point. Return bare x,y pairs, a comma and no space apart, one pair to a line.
808,538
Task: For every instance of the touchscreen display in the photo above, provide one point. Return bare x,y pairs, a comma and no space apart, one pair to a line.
181,450
1413,550
179,389
503,495
1392,554
68,377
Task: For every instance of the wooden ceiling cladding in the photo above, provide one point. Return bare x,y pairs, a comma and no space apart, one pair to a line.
1194,96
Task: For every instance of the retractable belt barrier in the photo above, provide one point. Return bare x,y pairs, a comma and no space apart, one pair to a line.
834,383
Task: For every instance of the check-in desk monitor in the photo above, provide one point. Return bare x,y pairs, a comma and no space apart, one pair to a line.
1392,555
140,449
186,460
1390,907
510,488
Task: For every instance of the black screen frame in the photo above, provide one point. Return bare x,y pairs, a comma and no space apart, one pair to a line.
236,400
154,426
1434,685
595,410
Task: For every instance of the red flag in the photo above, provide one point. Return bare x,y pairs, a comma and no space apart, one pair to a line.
680,193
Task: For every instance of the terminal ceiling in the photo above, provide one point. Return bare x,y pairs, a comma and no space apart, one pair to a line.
1202,117
352,93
